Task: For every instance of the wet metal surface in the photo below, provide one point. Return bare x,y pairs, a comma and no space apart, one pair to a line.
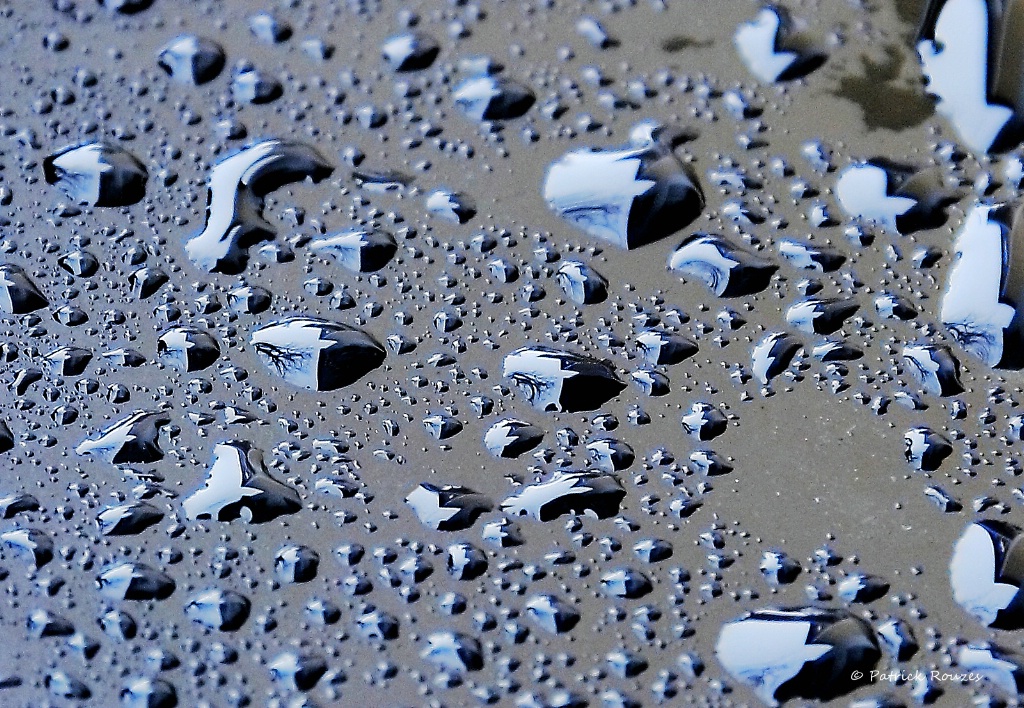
529,354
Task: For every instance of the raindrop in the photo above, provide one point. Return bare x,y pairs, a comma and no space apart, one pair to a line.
317,354
630,196
97,174
802,653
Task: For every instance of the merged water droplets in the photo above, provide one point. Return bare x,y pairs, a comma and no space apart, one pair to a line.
984,574
771,52
239,486
893,195
972,70
590,493
237,188
447,508
979,307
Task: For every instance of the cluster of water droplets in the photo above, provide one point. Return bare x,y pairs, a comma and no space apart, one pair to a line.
478,354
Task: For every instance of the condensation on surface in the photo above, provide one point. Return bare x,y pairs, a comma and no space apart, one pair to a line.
603,354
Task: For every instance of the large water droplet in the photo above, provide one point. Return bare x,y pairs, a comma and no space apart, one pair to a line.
238,184
630,196
317,354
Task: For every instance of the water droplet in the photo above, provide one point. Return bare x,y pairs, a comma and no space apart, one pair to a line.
591,493
18,294
984,574
317,354
553,380
630,196
493,98
218,609
239,486
192,60
978,307
98,174
447,508
359,251
727,269
134,439
766,46
804,653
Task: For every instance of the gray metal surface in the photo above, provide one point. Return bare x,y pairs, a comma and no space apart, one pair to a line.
818,465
